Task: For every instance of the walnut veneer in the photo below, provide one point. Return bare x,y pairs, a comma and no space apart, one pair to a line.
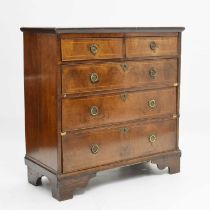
99,98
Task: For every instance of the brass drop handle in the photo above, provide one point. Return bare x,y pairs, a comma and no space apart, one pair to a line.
94,149
94,77
94,110
152,138
124,66
94,49
152,103
153,45
152,73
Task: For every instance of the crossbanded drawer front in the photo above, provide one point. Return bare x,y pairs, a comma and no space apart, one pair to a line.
108,76
97,147
104,109
151,46
87,49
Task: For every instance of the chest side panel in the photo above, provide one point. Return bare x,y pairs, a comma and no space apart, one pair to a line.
40,81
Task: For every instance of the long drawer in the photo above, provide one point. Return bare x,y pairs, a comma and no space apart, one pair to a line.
115,75
86,149
105,109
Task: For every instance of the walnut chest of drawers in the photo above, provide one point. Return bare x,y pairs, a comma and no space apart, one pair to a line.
99,98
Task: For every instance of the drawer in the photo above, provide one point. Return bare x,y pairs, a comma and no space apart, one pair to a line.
108,76
86,49
151,46
103,146
104,109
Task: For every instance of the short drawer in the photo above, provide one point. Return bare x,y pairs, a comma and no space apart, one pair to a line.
103,146
105,109
109,76
87,49
151,46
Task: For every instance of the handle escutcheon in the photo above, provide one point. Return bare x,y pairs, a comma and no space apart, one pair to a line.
124,66
94,149
152,103
153,45
152,138
94,77
94,49
152,73
94,110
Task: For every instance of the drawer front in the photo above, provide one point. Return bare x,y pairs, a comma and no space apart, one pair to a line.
108,76
102,146
104,109
151,46
86,49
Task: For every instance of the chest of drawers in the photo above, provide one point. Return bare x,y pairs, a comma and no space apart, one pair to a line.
99,98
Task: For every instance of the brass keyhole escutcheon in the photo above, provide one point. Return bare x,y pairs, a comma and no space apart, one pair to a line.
94,77
94,110
94,49
152,138
124,130
124,66
124,96
94,149
153,45
152,103
152,73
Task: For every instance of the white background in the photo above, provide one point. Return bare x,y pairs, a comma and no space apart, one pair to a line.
127,188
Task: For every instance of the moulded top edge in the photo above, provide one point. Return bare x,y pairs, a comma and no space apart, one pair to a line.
103,30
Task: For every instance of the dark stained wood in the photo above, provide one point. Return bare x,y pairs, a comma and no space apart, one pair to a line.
60,130
105,30
179,80
79,49
63,185
116,35
172,162
76,78
140,46
40,68
112,109
115,144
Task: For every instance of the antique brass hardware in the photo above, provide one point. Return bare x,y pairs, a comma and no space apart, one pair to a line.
94,77
152,138
94,110
63,133
153,45
94,49
94,148
124,96
124,66
152,73
174,116
152,103
124,130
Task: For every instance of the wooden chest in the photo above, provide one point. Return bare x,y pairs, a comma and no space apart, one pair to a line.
99,98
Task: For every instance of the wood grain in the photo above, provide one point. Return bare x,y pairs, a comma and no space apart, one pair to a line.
40,80
140,46
116,145
79,49
59,95
112,109
76,78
